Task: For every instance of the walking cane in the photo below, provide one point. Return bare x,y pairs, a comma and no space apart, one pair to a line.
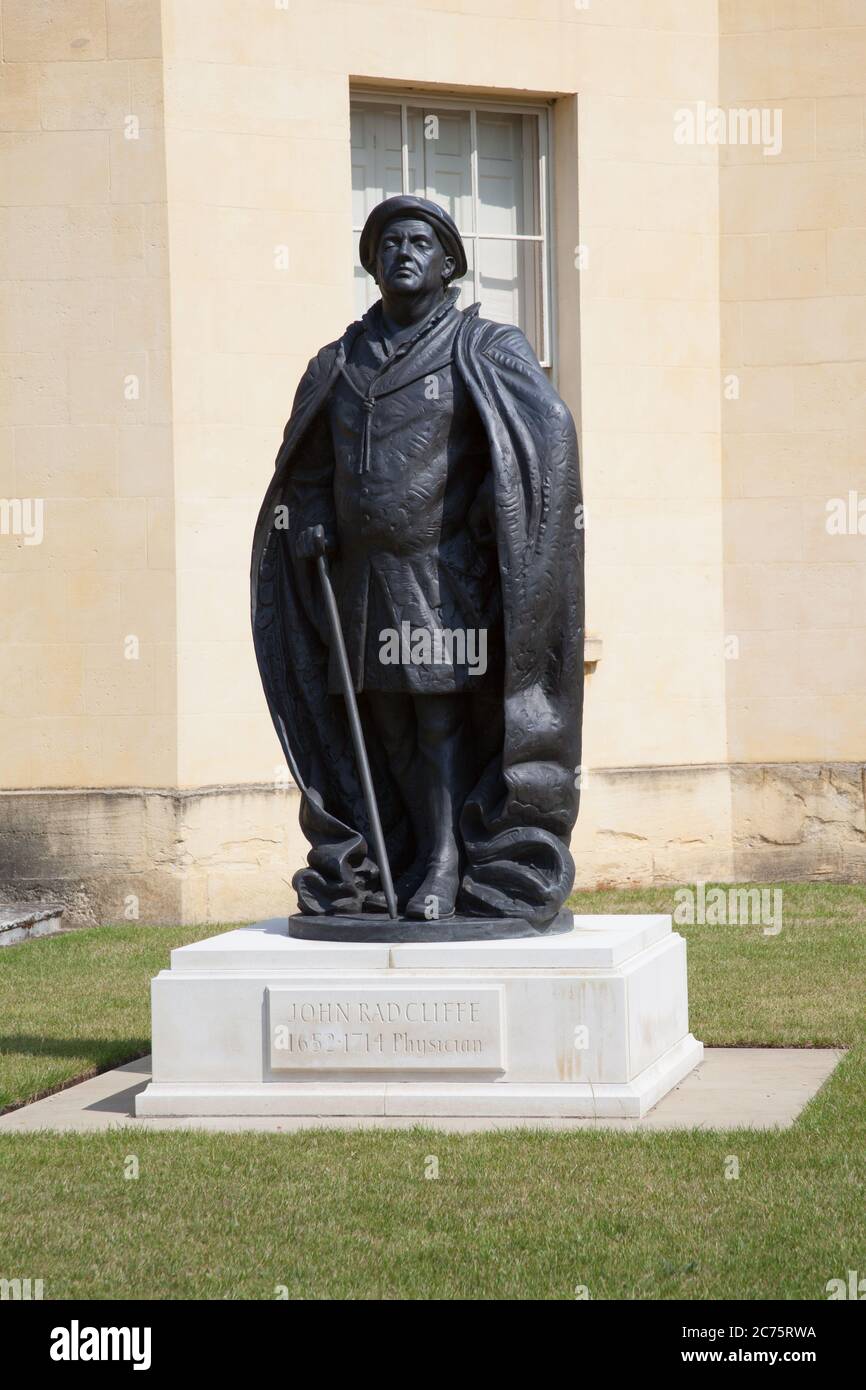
355,723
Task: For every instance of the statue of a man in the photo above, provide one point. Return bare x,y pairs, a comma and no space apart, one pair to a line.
431,461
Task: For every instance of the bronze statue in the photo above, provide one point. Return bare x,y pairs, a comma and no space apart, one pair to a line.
430,470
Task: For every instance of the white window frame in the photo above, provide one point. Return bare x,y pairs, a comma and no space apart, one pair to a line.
406,98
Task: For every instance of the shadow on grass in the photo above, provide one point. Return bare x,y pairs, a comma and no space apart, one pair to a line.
95,1056
94,1049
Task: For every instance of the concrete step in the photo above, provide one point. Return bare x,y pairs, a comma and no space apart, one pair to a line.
20,921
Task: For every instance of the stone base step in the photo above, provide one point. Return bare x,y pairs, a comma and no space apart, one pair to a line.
589,1023
20,921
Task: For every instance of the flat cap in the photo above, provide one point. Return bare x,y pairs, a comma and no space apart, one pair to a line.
405,205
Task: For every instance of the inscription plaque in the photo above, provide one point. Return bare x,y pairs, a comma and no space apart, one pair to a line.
332,1029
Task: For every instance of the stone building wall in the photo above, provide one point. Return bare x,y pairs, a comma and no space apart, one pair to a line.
174,213
87,616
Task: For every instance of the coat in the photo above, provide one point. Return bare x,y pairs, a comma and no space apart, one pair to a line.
516,823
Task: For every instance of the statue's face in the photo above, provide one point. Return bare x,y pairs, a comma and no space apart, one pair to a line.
411,259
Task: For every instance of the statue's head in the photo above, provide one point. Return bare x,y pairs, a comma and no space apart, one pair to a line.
411,246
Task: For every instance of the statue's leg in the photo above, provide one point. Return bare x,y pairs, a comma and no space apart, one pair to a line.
441,725
393,716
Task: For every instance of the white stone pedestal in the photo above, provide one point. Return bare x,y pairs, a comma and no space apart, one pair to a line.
589,1023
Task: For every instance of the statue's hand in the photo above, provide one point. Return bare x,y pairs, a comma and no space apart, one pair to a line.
312,542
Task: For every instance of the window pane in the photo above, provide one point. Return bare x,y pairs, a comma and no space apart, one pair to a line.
366,289
377,157
511,286
439,160
439,167
508,174
466,286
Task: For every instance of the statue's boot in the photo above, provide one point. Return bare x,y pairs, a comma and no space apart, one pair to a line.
404,886
407,882
437,895
440,753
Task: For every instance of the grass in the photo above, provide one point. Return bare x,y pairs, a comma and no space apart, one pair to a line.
804,987
75,1004
511,1215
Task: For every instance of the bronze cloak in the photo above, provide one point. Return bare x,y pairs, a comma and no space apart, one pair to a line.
517,820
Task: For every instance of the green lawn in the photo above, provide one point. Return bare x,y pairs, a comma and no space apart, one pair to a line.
511,1215
805,986
75,1004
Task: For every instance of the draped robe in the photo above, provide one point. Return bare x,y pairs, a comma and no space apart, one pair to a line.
517,820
